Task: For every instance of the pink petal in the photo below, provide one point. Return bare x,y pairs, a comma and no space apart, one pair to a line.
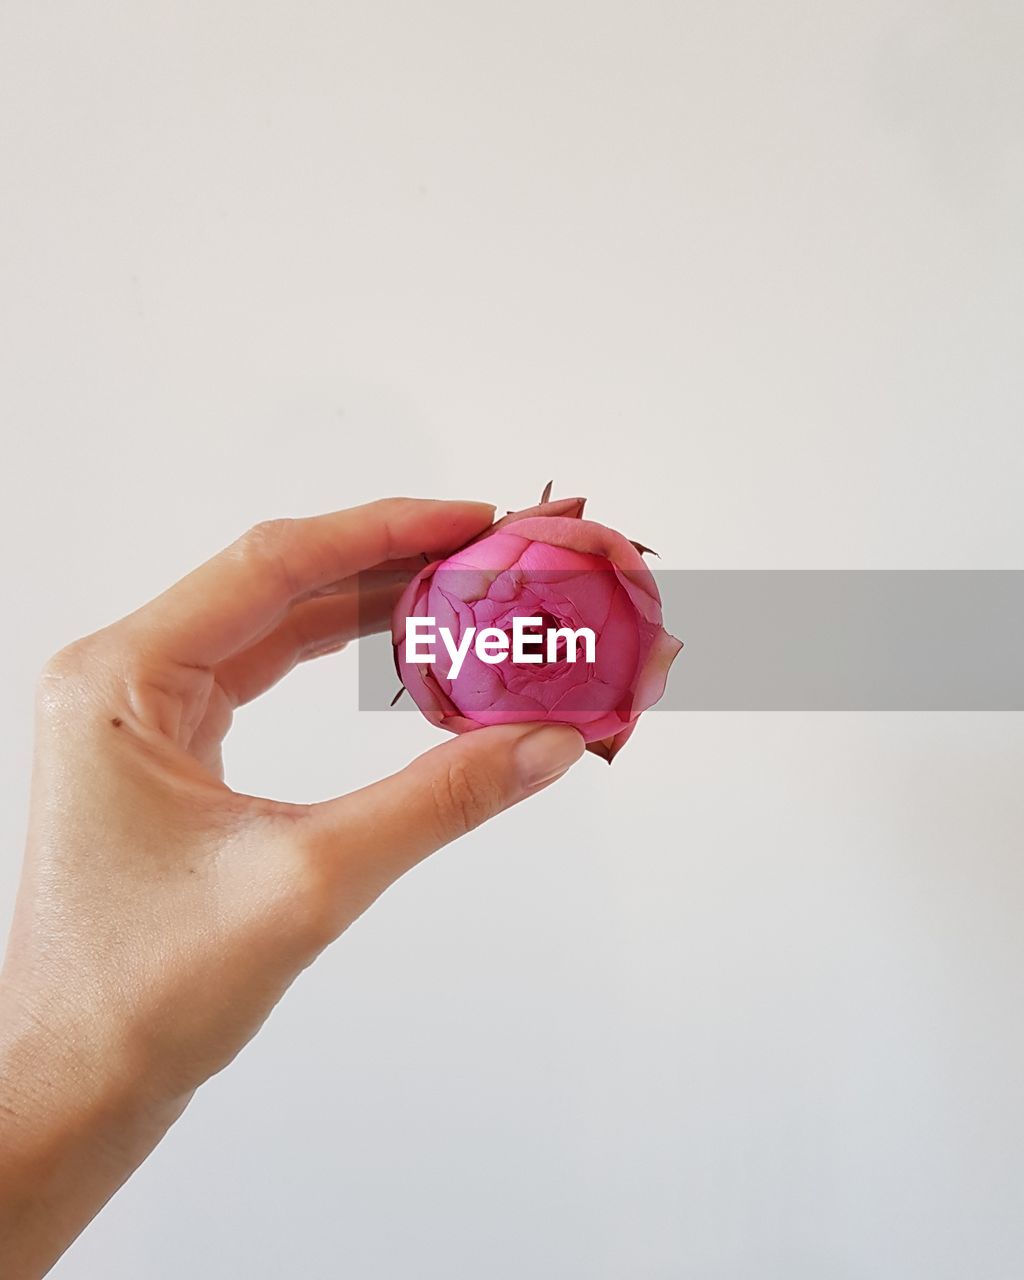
544,557
409,604
617,648
651,683
597,540
494,552
593,699
568,508
609,748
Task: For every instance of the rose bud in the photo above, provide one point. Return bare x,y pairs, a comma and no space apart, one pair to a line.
547,564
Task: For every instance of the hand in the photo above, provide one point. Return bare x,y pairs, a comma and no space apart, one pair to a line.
161,915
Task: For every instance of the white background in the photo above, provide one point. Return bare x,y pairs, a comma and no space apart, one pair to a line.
750,277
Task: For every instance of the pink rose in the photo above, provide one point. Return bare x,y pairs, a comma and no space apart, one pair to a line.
548,563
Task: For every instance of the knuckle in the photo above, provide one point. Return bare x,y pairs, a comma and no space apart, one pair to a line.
265,538
68,661
265,545
463,799
71,663
390,513
393,504
67,676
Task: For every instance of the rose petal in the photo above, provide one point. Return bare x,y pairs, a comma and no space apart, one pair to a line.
650,684
609,748
568,508
594,539
593,699
541,558
617,648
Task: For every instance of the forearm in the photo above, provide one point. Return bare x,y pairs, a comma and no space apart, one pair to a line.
70,1135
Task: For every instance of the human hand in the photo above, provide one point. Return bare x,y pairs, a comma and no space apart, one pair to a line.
161,915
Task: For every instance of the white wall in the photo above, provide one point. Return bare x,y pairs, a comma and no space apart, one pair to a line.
750,277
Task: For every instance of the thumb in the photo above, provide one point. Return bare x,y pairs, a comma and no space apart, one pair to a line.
374,835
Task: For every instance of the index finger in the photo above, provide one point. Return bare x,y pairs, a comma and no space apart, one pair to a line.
233,599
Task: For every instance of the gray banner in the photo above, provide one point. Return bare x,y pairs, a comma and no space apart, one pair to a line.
829,640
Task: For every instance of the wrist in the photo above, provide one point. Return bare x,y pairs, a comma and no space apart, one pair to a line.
72,1129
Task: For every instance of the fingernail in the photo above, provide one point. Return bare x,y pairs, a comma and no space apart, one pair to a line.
485,509
545,753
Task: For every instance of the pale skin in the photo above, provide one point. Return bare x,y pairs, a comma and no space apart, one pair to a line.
162,915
